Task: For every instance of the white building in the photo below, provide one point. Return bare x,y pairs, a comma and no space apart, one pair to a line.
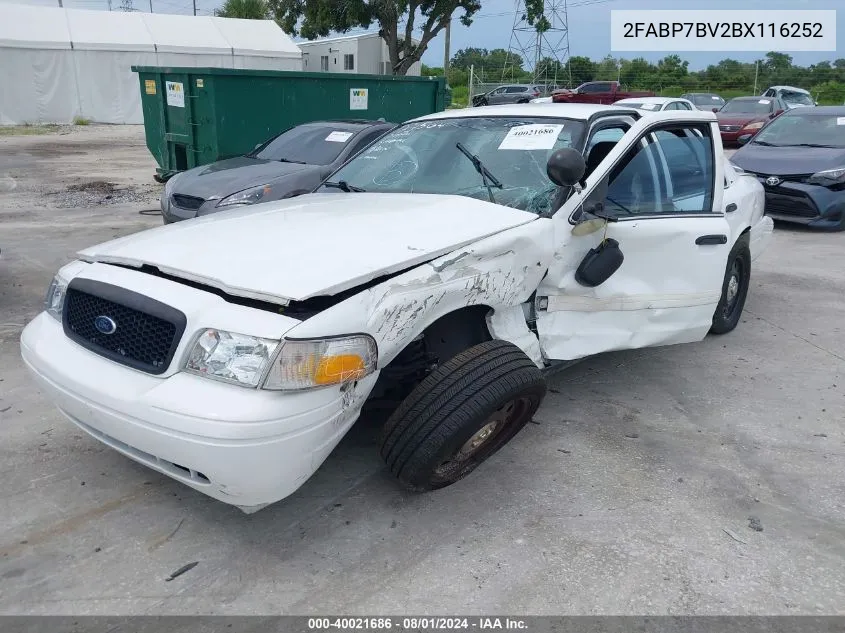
365,53
57,64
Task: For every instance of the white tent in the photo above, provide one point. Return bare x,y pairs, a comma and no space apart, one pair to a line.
57,64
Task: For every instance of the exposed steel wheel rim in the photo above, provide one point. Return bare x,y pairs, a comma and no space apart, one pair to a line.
472,452
734,288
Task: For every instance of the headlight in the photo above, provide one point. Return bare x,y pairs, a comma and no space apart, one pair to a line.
322,362
230,357
754,126
168,185
247,196
54,302
828,177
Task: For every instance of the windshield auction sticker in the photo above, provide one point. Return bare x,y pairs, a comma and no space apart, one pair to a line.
723,30
339,137
535,136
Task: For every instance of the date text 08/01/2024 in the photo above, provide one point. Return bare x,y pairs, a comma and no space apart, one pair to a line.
736,30
416,623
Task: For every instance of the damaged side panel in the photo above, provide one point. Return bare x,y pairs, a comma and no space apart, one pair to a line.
500,271
665,291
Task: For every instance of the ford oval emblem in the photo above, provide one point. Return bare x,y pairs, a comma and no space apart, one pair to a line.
773,181
105,325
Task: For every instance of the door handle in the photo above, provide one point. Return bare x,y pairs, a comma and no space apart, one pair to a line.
711,239
730,208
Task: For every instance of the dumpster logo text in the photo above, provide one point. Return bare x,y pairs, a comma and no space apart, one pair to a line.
358,99
175,94
150,86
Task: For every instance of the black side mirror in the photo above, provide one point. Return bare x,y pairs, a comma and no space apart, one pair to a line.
566,167
742,140
599,264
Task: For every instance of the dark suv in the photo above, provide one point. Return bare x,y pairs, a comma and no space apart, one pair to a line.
510,93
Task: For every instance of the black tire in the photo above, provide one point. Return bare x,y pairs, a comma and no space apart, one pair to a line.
461,414
732,301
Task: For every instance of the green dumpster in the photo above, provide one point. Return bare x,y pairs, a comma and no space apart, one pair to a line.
195,116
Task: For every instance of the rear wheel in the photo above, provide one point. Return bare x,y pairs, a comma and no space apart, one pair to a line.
461,414
734,288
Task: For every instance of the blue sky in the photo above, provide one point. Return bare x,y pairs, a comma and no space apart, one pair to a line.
589,25
589,28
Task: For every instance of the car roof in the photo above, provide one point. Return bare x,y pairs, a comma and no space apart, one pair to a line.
649,100
350,124
579,111
793,88
818,111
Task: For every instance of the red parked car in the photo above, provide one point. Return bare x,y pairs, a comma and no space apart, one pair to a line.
606,92
744,116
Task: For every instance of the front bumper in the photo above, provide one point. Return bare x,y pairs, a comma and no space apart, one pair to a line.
732,137
245,447
801,203
174,213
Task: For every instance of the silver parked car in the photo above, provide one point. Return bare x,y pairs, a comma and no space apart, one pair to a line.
510,93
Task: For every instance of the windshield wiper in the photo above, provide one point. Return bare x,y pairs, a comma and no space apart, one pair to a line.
811,145
766,143
487,178
343,186
288,160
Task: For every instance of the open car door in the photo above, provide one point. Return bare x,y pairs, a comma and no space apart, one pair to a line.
658,195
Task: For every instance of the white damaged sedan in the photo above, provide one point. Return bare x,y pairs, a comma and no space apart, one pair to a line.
440,274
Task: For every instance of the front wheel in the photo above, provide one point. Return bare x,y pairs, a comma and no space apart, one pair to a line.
734,288
461,414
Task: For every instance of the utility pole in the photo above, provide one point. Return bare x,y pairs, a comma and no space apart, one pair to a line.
756,71
195,7
60,4
151,6
445,47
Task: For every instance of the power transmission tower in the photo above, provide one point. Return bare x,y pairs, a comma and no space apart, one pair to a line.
543,46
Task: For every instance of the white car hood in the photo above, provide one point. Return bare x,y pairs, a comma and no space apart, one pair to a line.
316,244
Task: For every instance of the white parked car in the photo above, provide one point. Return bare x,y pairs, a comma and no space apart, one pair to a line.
656,104
791,96
441,273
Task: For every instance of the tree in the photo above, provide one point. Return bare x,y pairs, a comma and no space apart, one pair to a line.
320,17
582,69
244,9
467,57
638,73
127,5
607,69
672,70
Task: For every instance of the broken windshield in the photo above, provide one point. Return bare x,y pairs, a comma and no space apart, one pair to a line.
421,157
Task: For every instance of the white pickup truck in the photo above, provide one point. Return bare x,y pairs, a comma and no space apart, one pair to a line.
441,273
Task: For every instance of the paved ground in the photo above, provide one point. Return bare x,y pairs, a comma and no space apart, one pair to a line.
632,494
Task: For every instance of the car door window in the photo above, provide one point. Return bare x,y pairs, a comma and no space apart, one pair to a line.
612,134
669,171
516,89
689,165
